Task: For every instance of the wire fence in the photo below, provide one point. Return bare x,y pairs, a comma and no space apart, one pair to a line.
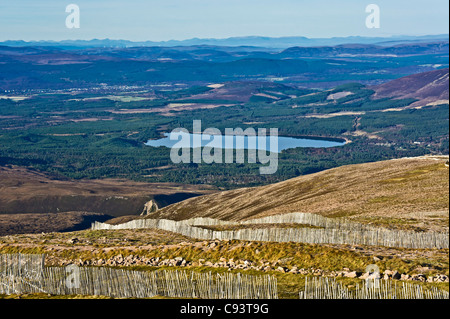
122,283
332,231
329,288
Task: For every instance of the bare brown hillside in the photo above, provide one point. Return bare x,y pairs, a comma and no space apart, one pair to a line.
27,191
402,188
13,224
34,202
427,87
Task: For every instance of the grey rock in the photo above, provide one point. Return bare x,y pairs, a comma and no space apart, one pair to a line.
365,275
396,275
352,274
73,240
281,269
405,277
149,207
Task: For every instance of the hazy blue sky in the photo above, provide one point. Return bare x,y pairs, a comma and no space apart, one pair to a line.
183,19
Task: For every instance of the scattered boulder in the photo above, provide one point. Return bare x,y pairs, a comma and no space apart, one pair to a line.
281,269
262,265
419,277
247,262
294,270
441,278
405,277
351,274
73,240
396,275
119,259
365,275
149,207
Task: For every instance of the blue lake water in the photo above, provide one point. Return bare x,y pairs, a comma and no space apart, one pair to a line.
187,140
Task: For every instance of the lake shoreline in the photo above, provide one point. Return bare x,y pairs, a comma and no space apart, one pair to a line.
284,142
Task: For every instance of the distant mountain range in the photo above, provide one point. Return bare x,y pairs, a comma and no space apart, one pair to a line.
251,41
53,67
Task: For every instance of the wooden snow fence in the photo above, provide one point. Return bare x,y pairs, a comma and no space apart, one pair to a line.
218,286
122,283
331,231
329,288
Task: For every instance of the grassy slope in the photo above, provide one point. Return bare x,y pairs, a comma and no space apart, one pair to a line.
93,245
406,191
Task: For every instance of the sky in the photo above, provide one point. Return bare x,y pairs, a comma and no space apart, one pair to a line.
141,20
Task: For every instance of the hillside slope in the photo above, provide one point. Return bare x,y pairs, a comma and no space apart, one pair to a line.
27,191
399,188
427,87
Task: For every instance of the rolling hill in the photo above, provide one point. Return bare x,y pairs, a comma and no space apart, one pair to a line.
409,188
34,202
53,67
427,87
29,191
261,41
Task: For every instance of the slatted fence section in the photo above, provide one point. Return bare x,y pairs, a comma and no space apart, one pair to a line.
122,283
334,231
329,288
